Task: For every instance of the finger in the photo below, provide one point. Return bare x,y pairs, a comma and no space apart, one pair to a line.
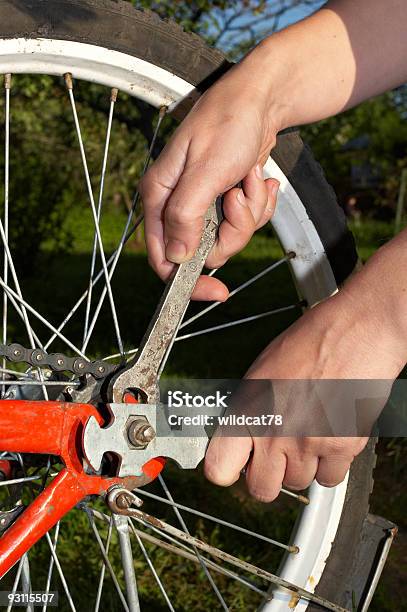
332,470
265,472
245,210
300,472
255,191
198,186
225,458
235,230
155,189
272,186
209,289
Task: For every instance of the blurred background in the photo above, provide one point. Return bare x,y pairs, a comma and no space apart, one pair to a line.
363,153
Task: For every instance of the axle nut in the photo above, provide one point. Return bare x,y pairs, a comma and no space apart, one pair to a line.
140,433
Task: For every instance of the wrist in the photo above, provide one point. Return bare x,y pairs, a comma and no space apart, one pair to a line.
267,75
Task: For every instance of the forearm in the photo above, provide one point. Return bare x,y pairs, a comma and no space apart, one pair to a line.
376,298
343,54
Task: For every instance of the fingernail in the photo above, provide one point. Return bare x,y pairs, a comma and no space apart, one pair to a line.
240,197
176,251
259,171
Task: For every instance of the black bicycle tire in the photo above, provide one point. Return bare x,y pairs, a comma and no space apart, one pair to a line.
119,26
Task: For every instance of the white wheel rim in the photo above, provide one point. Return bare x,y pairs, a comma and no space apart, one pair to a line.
319,522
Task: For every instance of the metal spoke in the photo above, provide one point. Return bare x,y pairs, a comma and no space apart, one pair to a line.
7,87
103,567
209,517
43,320
69,84
60,572
239,288
105,557
26,581
95,280
4,232
185,528
15,373
113,98
153,570
126,233
13,481
51,565
143,518
208,330
16,581
182,550
37,383
185,552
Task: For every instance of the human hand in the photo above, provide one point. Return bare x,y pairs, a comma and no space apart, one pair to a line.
225,139
331,341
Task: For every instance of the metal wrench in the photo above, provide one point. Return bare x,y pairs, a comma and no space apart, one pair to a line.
144,370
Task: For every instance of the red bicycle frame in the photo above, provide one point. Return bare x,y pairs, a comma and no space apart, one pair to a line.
52,428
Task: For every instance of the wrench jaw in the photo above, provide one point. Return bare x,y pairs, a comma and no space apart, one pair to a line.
187,452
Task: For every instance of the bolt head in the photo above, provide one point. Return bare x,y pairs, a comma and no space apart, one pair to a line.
140,432
123,501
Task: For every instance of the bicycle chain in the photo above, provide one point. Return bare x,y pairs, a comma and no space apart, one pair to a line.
56,362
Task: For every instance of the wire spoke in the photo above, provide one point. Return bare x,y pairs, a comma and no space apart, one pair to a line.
209,517
60,572
153,570
20,300
187,553
105,557
69,84
181,549
51,565
238,289
96,279
262,315
185,528
103,567
7,87
126,232
145,519
113,98
16,581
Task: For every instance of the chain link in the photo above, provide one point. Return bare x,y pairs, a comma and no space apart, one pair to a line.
57,362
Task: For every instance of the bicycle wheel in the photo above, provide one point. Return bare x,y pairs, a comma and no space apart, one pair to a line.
114,45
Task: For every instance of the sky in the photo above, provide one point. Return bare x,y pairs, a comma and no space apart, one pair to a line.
290,16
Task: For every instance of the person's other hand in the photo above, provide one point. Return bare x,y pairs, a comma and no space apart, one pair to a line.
334,340
225,139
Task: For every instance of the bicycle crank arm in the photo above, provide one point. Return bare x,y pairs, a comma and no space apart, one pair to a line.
144,371
139,433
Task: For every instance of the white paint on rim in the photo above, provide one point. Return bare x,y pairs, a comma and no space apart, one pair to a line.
95,64
319,522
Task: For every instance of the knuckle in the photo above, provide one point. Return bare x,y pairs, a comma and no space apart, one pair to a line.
297,483
178,215
265,496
